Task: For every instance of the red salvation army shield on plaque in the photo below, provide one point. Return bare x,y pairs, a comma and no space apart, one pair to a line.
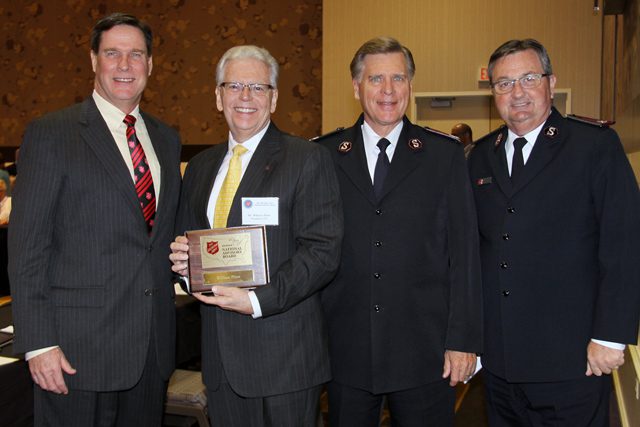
212,247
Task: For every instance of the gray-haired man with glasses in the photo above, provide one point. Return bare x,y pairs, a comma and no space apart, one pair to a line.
558,208
264,352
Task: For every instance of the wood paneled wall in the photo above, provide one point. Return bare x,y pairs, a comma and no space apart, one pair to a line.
451,40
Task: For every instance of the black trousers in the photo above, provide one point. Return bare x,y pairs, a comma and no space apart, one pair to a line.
296,409
430,405
577,403
142,405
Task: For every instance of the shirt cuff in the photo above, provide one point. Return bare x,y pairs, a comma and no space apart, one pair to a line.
614,345
255,304
31,354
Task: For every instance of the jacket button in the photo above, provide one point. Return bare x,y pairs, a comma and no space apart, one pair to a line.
378,211
511,210
377,308
504,265
376,275
506,236
378,243
506,293
148,292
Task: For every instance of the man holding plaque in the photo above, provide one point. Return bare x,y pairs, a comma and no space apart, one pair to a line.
93,214
404,310
265,351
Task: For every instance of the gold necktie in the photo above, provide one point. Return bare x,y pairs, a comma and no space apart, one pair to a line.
229,187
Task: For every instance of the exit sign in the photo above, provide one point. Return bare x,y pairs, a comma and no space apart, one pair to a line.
483,75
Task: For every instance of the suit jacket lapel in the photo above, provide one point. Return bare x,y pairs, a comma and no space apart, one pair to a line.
205,183
263,162
498,162
545,149
354,162
163,155
98,137
405,159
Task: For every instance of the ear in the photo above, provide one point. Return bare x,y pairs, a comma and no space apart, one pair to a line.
94,60
274,100
552,84
356,88
150,64
218,99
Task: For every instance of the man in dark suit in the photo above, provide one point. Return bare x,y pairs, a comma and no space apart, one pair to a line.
558,209
404,310
93,215
264,351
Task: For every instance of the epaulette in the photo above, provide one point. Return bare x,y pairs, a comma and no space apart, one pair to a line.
591,121
447,135
320,137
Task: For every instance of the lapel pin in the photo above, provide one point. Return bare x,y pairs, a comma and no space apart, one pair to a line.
344,147
498,140
484,181
551,131
415,144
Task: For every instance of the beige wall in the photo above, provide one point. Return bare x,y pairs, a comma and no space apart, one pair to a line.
448,56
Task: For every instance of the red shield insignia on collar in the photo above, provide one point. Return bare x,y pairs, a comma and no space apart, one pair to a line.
212,247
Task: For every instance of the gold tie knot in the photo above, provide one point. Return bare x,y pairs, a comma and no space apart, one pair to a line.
229,188
239,150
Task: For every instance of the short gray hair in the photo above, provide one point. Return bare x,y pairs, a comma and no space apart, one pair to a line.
248,51
380,45
514,46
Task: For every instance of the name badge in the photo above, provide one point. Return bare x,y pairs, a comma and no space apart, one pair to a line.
259,211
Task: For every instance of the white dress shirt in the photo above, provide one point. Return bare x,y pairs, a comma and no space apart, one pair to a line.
371,149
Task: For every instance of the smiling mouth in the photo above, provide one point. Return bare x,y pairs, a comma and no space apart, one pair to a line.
245,110
124,79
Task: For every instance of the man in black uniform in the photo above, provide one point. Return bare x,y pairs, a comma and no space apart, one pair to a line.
404,310
558,211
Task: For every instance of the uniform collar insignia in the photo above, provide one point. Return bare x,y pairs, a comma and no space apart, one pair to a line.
551,131
415,144
345,147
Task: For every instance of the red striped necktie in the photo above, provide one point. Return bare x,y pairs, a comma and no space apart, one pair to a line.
141,173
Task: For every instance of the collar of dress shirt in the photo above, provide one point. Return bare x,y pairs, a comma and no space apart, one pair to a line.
250,144
371,139
112,114
526,150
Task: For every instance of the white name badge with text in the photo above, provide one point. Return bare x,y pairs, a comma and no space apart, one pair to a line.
259,211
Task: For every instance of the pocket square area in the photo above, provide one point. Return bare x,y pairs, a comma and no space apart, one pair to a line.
484,181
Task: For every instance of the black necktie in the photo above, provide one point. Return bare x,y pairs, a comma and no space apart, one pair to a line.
518,160
382,167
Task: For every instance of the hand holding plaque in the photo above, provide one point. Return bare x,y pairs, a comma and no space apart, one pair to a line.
234,256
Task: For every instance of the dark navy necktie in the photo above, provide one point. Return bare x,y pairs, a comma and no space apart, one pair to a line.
518,159
382,167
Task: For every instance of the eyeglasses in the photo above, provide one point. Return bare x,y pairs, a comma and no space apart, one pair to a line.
530,81
258,89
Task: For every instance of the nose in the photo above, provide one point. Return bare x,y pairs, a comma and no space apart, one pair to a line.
245,93
123,63
387,87
517,90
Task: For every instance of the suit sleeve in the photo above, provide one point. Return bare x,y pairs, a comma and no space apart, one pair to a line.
464,330
317,227
31,238
617,205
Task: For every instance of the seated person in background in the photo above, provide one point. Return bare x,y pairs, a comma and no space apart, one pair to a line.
465,135
5,204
